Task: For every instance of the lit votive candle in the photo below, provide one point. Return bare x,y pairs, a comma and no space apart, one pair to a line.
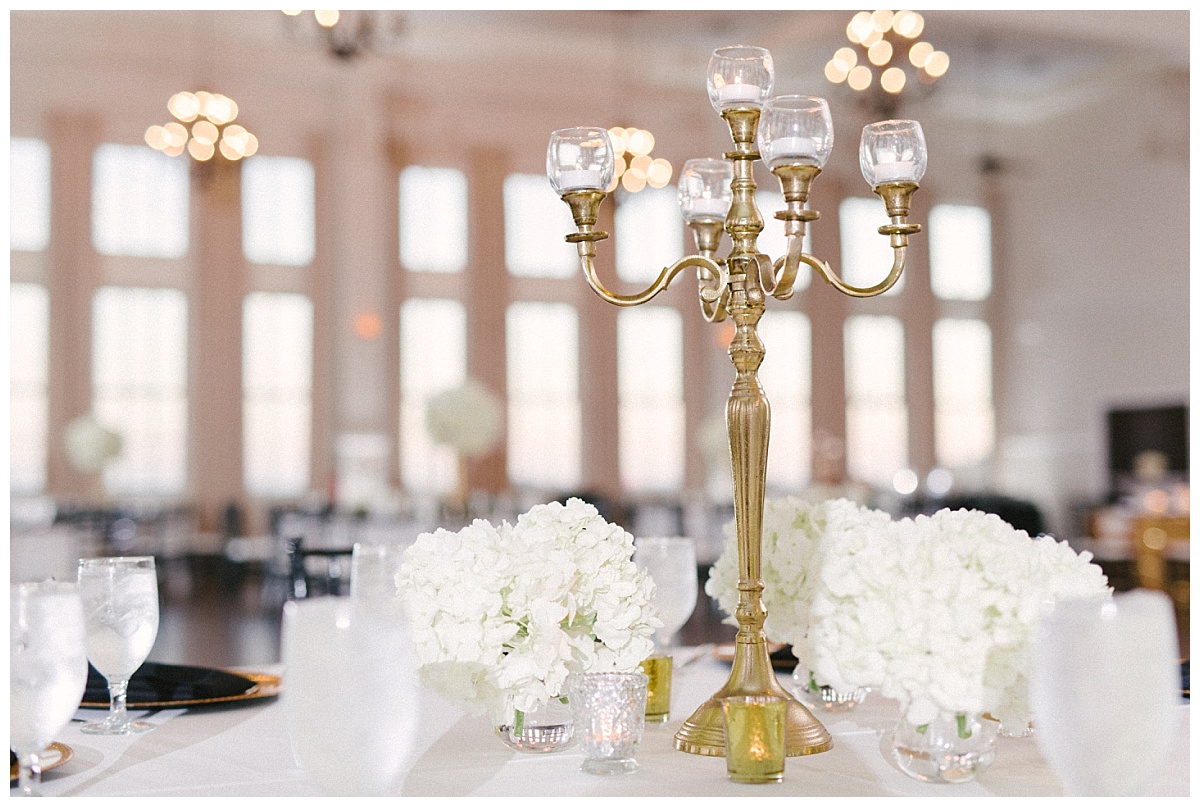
708,208
755,738
658,688
740,93
580,180
609,711
794,147
901,170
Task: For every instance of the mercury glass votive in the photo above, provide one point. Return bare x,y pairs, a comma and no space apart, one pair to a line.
705,189
892,151
579,158
609,712
658,688
795,129
755,738
740,76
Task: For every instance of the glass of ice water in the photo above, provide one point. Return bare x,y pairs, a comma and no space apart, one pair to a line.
47,670
120,605
373,570
671,562
351,698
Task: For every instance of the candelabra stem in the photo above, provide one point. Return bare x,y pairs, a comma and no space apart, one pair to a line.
748,419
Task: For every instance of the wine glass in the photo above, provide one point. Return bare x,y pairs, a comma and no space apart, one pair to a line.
1105,691
350,694
120,605
47,670
671,563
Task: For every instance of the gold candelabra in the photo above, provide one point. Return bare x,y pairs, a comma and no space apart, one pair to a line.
794,135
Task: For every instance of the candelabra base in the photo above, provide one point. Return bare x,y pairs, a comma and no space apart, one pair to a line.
704,732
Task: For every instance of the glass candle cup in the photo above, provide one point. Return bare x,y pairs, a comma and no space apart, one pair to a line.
579,159
740,76
658,688
705,190
795,129
755,738
609,712
892,151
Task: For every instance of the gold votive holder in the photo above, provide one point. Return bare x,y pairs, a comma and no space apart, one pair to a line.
755,738
658,690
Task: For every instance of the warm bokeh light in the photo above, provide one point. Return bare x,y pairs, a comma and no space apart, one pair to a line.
659,175
937,64
859,78
919,53
205,132
883,36
201,151
327,18
892,80
880,53
859,26
367,325
292,13
633,167
633,182
210,116
184,105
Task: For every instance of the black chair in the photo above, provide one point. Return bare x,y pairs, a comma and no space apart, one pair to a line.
316,572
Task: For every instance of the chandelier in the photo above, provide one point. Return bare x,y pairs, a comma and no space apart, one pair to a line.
348,34
885,58
210,130
633,167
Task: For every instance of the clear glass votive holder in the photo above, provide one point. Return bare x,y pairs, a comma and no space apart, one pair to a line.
755,738
609,712
658,688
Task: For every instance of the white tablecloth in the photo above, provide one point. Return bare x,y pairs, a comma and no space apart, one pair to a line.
244,751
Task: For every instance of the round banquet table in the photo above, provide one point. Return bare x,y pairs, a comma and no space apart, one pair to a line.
243,750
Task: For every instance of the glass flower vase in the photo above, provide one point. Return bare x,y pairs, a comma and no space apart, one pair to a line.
546,728
815,696
949,750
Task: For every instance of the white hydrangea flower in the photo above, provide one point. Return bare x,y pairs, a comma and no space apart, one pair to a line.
500,616
938,612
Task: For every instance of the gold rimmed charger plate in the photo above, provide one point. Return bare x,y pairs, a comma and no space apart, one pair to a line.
56,754
265,686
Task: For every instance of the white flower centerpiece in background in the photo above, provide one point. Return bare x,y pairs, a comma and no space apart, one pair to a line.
467,418
936,612
795,536
501,615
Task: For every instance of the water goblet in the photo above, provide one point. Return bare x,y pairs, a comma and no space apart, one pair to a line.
1105,691
671,563
47,671
350,697
120,605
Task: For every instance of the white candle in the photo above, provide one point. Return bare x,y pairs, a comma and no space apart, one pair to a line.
580,180
737,93
902,170
793,147
707,207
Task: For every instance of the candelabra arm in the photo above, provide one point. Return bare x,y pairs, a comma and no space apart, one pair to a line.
823,269
661,282
896,197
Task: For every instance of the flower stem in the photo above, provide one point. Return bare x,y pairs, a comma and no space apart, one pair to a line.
518,723
963,731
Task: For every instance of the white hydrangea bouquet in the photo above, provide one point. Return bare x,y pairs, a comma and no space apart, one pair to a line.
469,418
500,616
936,612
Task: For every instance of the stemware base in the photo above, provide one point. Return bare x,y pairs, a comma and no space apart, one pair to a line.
608,767
116,726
